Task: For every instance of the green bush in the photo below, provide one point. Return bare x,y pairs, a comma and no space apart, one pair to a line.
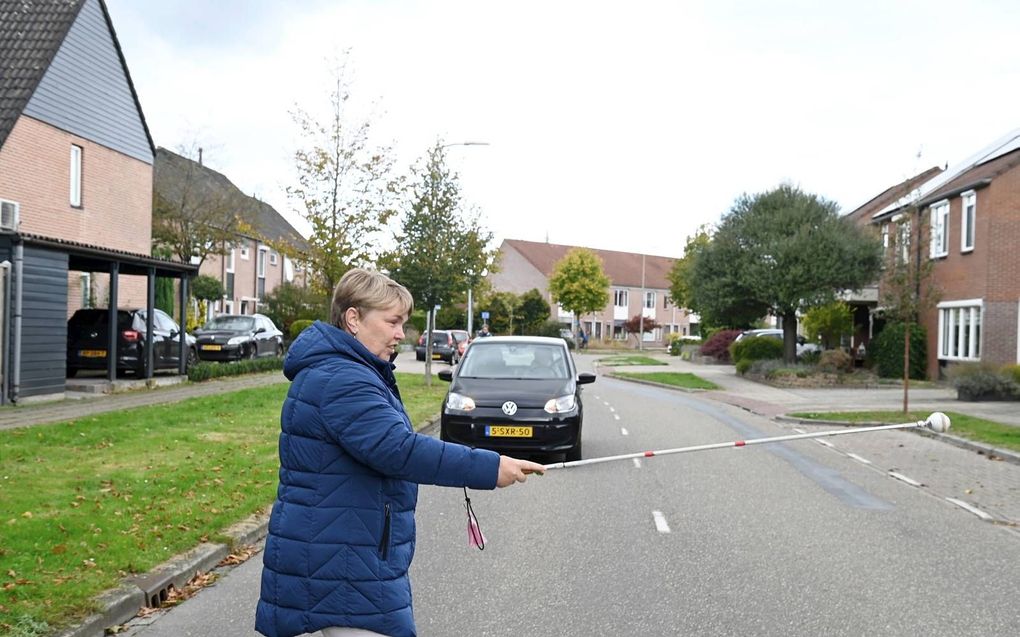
1013,371
743,365
299,326
835,360
756,348
206,370
886,351
810,357
983,382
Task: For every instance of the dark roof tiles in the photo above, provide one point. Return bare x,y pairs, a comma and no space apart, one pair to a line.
622,268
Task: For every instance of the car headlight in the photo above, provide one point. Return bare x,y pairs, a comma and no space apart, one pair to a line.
237,340
561,404
460,402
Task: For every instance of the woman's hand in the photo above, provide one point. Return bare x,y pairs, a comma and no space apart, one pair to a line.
512,470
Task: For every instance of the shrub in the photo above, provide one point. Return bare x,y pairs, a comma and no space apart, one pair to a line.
673,343
1013,371
299,326
756,348
718,344
887,351
743,365
810,357
204,371
774,368
835,360
983,382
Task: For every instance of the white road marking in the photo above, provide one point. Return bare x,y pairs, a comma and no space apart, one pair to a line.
910,481
612,410
969,507
660,522
623,430
858,458
637,463
617,416
825,443
799,430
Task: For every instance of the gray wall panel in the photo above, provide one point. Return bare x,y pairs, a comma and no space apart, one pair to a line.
85,90
44,346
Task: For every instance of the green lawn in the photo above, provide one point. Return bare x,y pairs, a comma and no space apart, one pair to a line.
677,379
90,501
977,429
629,359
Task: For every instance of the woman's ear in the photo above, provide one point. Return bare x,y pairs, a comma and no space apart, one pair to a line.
351,317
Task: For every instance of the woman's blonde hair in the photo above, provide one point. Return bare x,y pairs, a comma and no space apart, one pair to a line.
367,290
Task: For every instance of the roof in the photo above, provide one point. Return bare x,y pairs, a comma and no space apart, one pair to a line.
1005,145
863,213
622,268
93,258
31,33
174,172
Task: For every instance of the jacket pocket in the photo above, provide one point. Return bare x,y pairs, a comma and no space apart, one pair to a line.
384,542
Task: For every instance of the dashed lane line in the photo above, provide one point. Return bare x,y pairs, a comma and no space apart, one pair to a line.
970,507
910,481
660,522
623,431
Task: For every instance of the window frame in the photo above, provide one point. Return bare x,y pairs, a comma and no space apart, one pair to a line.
968,222
75,185
243,250
939,221
649,296
621,294
955,317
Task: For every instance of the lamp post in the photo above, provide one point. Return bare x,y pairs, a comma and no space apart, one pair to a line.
470,309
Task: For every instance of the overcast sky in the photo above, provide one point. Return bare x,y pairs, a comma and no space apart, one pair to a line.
616,125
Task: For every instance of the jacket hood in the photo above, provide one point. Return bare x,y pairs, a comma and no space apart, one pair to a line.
322,341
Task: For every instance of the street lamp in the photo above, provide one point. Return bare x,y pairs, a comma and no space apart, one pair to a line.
470,309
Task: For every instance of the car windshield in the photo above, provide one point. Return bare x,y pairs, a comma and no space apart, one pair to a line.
231,323
515,360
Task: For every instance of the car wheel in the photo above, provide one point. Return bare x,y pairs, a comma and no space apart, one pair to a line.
72,372
191,360
252,351
575,453
279,350
454,358
420,357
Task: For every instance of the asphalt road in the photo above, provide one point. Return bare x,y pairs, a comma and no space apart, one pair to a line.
791,539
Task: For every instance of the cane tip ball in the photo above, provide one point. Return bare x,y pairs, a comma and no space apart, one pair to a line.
938,421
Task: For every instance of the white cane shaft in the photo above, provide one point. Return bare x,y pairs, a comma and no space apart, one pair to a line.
733,443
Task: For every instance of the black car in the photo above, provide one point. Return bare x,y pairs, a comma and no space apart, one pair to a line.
515,394
232,337
445,346
88,338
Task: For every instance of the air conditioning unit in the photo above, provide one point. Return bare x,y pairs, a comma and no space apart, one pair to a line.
8,215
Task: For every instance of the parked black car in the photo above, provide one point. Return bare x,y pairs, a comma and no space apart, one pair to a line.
238,336
515,394
88,339
445,346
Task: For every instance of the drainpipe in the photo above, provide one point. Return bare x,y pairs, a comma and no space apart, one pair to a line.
6,363
19,261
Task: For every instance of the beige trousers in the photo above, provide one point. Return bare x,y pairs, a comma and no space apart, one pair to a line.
349,632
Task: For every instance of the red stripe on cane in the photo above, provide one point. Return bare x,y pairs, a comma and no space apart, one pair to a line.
739,443
649,454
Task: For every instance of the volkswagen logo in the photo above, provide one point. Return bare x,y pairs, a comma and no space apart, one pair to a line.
509,408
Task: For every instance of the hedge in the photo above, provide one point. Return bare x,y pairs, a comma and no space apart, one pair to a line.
756,348
886,351
206,370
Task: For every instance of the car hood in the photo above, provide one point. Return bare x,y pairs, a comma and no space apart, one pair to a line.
493,392
219,333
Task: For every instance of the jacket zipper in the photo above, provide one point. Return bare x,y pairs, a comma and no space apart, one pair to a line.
384,544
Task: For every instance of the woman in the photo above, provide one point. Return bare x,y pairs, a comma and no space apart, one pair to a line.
341,534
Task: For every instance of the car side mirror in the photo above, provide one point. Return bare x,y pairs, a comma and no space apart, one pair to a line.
446,374
584,378
801,340
260,330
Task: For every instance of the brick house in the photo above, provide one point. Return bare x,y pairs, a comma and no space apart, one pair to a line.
967,220
75,185
253,264
638,284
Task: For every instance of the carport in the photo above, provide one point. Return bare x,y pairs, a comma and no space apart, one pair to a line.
33,307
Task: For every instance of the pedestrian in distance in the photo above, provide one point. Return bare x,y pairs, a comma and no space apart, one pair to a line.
482,333
582,337
341,533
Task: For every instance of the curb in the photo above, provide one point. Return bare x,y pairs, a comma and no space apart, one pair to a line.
970,445
121,604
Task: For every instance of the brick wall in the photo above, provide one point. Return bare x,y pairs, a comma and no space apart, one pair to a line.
116,209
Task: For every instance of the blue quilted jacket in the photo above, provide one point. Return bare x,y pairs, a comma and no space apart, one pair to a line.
341,534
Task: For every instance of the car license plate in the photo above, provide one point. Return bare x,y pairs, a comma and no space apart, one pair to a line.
92,353
436,356
503,431
212,348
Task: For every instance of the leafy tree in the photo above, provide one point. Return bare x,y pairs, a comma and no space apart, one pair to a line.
781,251
206,288
683,268
578,282
830,322
289,302
438,244
165,295
504,310
637,326
535,311
194,210
344,189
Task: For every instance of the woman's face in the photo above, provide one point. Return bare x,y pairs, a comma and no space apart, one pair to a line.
380,331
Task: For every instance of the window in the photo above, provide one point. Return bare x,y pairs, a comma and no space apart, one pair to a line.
261,269
272,258
967,218
903,239
86,289
665,301
885,238
650,300
230,260
229,283
620,298
76,153
960,330
939,230
244,250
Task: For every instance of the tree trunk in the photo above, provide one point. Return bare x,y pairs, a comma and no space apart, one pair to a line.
906,367
789,337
